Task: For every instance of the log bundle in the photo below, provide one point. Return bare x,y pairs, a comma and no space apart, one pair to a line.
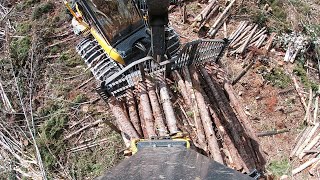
198,102
247,35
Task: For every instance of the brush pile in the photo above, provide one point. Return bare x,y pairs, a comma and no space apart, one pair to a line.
203,106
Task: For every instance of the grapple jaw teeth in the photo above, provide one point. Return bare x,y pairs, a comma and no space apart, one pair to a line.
195,52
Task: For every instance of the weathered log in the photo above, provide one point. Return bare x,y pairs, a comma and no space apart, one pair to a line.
133,114
316,107
232,124
270,41
271,133
157,112
204,13
195,110
182,87
207,18
167,106
146,111
307,117
304,166
242,35
307,139
236,34
302,99
121,118
300,139
220,18
244,46
215,30
310,145
246,69
253,139
205,117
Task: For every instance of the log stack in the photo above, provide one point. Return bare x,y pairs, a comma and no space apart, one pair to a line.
200,103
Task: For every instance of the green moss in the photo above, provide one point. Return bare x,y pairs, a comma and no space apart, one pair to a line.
279,168
42,9
278,78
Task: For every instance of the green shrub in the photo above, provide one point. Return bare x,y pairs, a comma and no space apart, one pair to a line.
280,167
20,48
302,74
278,78
42,9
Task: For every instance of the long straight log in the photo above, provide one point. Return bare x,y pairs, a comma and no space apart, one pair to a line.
121,118
157,113
310,145
244,46
182,87
167,106
237,33
215,30
246,69
300,140
245,122
232,124
133,114
195,110
205,117
146,111
305,165
221,17
243,35
204,13
307,140
213,11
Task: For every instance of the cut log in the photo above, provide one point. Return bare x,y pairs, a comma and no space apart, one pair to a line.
157,112
204,13
121,118
244,46
302,99
271,133
305,165
253,139
206,20
302,135
133,114
245,70
146,111
182,87
195,110
167,106
310,145
221,17
270,42
237,33
242,35
205,117
232,124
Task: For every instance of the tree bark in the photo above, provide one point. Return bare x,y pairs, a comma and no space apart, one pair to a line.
121,118
205,117
146,111
167,106
133,114
195,110
157,112
231,122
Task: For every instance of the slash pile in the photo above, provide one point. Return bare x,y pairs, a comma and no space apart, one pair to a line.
203,106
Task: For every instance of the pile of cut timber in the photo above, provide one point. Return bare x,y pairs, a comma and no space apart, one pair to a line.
308,142
203,106
246,36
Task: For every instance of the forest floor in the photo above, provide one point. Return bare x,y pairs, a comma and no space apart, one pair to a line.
64,99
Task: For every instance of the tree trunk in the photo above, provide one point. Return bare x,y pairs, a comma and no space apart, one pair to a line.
157,113
133,114
121,118
205,117
146,111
